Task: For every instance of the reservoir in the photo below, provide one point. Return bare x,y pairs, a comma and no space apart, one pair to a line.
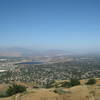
30,63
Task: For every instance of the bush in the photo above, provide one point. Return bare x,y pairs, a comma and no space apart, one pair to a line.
74,82
14,89
60,91
3,95
66,84
50,84
91,82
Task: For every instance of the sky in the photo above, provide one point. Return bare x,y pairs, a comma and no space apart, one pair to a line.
50,24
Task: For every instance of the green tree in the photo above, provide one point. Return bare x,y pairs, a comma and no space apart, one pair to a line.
74,82
14,89
66,84
91,82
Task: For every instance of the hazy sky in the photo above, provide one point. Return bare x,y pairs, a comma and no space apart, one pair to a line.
51,24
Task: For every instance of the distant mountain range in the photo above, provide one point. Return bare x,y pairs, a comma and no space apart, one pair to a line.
24,52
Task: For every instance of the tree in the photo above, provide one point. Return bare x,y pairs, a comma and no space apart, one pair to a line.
74,82
66,84
91,82
14,89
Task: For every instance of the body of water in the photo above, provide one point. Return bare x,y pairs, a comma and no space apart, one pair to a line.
31,63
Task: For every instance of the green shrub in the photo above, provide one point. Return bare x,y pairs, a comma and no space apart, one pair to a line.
91,82
14,89
60,91
71,83
74,82
50,84
2,95
66,84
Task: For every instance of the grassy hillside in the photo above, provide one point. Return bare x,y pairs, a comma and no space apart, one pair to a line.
81,92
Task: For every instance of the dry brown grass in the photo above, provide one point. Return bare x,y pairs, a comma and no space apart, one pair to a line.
81,92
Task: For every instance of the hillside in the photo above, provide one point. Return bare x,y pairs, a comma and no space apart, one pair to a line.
81,92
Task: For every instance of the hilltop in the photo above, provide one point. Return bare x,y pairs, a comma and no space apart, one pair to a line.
80,92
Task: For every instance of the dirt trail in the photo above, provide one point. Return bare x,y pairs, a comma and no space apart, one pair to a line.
17,97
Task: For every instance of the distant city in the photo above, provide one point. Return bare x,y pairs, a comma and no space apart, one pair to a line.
45,69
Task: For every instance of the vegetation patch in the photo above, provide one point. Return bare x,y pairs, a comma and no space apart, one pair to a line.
14,89
50,84
91,82
71,83
60,91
